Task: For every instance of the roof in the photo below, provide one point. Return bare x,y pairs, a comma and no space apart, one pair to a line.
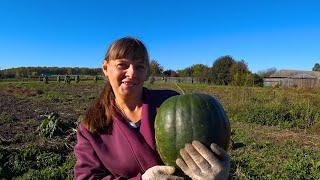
296,74
303,76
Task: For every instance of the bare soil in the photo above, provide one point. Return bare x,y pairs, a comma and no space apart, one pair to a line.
23,108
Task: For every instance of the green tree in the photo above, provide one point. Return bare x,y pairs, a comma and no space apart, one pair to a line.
316,67
17,73
155,68
240,74
257,80
170,73
69,71
200,70
186,72
221,70
249,79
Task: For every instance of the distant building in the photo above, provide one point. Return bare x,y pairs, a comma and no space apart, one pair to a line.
293,78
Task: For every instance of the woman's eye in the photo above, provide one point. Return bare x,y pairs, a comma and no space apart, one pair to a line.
122,65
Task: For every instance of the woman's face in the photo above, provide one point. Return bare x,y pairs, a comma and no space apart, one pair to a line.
126,76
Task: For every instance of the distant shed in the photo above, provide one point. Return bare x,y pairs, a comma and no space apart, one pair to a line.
293,78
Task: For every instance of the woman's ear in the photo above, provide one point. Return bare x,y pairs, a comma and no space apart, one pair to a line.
105,67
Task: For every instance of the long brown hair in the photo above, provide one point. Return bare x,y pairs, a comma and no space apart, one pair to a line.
98,117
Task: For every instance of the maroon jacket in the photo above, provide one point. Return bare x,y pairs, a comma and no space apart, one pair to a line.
124,152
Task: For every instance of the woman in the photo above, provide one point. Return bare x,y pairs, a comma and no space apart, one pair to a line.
115,140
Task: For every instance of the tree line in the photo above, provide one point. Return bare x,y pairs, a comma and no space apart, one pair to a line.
30,72
225,70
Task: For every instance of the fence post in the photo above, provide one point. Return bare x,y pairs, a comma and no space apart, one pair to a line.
45,79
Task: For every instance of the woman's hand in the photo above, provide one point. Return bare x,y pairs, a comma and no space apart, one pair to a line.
199,163
160,172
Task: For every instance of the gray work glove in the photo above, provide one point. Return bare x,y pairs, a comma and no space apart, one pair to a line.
160,173
199,163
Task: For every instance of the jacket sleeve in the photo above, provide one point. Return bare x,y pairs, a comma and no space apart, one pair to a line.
88,165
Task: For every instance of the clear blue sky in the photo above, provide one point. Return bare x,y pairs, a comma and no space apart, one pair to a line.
284,34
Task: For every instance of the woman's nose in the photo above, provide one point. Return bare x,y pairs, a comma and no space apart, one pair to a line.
131,72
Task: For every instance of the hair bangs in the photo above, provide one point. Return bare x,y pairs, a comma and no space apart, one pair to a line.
127,48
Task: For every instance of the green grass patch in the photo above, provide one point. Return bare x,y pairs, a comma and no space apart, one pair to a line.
264,157
16,162
275,131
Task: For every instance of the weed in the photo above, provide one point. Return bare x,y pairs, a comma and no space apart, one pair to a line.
50,126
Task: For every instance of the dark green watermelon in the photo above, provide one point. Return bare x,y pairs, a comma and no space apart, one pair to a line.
183,118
